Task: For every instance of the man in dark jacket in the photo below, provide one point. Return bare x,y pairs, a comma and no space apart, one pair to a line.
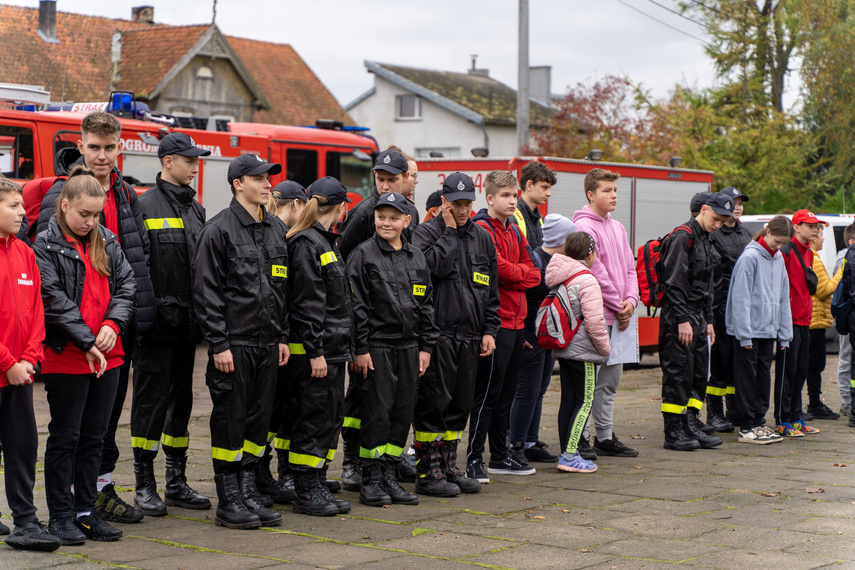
687,271
163,364
99,150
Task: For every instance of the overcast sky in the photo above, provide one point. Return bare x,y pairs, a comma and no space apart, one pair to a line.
579,39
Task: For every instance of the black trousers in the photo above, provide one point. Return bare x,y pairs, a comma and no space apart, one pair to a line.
352,418
386,400
495,387
19,440
684,368
110,452
536,368
283,409
721,361
578,380
162,398
243,404
80,407
318,414
790,372
816,365
444,398
752,374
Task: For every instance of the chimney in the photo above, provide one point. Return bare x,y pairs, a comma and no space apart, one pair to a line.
475,71
142,15
540,83
47,21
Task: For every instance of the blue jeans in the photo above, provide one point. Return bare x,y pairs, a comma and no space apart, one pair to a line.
535,374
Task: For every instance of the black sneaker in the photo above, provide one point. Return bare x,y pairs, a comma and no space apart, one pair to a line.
67,532
33,536
613,447
585,450
96,528
538,453
4,530
518,451
806,416
510,466
112,508
475,470
822,412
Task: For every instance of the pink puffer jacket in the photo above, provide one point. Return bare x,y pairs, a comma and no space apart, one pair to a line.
591,342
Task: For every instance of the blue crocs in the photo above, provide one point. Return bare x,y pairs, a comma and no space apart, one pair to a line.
575,464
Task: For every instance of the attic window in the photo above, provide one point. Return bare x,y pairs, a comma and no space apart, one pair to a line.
204,72
409,107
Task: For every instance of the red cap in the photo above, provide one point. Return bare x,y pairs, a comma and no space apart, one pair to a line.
806,217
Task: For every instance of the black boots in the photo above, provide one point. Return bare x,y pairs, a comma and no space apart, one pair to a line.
405,472
310,497
715,415
231,510
431,479
676,437
397,493
351,478
278,491
452,473
178,492
694,428
373,493
146,499
256,502
286,478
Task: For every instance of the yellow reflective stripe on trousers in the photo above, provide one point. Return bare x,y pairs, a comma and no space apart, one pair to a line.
230,455
452,435
693,403
183,441
731,390
307,460
354,423
673,409
852,383
252,448
713,391
328,257
270,436
163,223
143,443
425,437
375,453
330,454
296,348
394,450
279,443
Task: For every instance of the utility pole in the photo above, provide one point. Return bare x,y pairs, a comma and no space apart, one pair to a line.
523,80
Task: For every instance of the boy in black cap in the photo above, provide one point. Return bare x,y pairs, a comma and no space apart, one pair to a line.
163,363
687,270
241,257
395,334
464,271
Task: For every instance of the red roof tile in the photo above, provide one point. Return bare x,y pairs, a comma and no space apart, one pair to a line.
149,54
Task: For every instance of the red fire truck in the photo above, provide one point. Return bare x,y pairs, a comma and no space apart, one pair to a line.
652,200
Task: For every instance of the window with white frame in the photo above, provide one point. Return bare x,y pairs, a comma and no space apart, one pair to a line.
408,107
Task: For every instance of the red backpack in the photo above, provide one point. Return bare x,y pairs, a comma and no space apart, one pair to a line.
34,192
556,325
647,268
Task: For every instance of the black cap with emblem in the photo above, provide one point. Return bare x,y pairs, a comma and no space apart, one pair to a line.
392,200
251,164
391,161
458,186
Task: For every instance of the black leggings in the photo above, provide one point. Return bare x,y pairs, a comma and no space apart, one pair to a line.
577,396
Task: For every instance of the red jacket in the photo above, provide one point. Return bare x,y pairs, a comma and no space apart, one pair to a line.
517,273
21,309
801,303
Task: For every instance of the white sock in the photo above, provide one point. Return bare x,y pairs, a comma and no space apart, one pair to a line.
103,481
84,513
529,444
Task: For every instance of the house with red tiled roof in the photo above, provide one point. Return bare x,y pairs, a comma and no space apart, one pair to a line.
177,70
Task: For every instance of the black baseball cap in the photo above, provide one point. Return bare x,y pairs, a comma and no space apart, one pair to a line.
391,161
393,200
180,143
458,186
721,204
330,188
252,165
434,200
699,200
734,193
290,190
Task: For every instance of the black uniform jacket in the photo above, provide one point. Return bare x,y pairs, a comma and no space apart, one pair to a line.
63,275
132,234
392,296
321,307
358,226
465,277
687,269
173,220
729,243
240,281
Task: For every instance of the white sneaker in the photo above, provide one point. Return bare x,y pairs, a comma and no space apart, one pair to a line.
774,436
756,435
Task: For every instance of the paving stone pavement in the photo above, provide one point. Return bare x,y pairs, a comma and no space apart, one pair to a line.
787,505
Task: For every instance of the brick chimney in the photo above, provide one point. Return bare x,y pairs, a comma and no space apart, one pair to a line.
142,14
47,21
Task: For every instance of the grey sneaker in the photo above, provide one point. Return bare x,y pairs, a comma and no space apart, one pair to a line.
772,434
845,409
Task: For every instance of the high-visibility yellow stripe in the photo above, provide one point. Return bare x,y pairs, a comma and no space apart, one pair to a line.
307,460
330,454
673,409
731,390
354,423
163,223
252,448
270,436
279,443
521,222
394,450
296,348
328,257
852,383
424,436
230,455
713,391
452,435
375,453
175,441
143,443
697,404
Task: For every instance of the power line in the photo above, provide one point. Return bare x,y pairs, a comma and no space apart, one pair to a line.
716,10
678,13
685,33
